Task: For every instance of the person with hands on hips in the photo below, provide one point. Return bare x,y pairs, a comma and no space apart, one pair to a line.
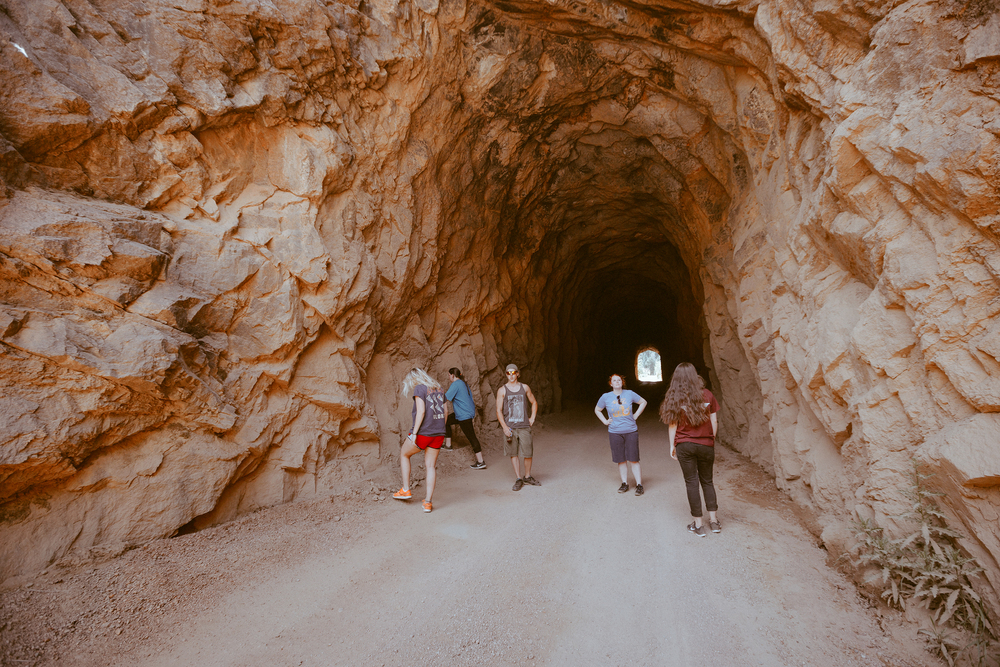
427,433
512,413
623,432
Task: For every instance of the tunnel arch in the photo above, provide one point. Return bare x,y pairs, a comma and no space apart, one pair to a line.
596,191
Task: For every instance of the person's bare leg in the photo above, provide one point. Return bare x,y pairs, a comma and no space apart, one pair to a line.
623,472
527,466
405,452
517,467
430,462
479,456
636,473
712,517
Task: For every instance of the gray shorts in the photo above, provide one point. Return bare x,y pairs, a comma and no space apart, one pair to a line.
519,443
624,447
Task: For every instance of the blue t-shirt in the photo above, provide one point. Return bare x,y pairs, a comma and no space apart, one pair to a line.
461,399
620,412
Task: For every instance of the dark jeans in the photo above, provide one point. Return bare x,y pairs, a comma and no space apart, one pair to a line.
467,429
696,464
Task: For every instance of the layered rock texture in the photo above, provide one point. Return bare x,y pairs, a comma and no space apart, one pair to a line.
229,228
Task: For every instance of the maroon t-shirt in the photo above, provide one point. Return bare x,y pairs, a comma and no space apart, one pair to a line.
702,433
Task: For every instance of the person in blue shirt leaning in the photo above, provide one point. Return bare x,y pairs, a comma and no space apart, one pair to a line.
622,429
465,411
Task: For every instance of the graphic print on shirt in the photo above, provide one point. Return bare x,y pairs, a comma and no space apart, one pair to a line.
515,408
620,410
435,405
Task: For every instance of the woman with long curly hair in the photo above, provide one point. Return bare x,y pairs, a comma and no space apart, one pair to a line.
689,411
427,433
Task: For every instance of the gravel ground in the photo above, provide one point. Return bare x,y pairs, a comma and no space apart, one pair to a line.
568,573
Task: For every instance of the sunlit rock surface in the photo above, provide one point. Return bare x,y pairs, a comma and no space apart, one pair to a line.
228,229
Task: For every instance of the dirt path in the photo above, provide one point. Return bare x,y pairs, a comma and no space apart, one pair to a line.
569,573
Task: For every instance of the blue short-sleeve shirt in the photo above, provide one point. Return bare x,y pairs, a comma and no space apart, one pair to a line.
620,412
461,398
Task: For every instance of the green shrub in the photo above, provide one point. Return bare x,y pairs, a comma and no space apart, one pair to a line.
926,568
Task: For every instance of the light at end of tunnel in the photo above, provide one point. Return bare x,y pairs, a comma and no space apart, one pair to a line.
647,366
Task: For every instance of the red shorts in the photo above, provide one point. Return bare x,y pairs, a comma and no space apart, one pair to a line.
432,441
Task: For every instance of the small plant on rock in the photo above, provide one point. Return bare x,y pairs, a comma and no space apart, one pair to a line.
926,568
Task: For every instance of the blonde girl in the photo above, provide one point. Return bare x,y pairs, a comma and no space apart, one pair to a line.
427,432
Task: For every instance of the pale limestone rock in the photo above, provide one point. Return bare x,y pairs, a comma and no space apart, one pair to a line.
967,449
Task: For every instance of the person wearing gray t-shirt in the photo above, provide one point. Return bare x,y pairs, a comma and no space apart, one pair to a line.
512,413
622,429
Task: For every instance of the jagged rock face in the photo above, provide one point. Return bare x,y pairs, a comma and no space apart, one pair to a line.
230,228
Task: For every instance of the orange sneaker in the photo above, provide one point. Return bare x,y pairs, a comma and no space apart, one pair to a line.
402,494
427,506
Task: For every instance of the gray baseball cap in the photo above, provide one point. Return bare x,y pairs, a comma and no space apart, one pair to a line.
512,367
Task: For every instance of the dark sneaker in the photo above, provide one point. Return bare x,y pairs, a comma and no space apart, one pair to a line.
532,481
478,465
638,489
518,484
697,530
715,526
623,488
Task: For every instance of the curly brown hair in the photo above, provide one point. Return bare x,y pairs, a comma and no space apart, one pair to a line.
619,375
685,398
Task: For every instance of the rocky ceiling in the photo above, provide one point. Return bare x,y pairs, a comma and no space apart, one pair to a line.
229,228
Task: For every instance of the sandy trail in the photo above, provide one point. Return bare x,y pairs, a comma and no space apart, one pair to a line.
568,573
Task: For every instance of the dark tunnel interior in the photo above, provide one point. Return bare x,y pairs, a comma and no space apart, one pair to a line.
637,295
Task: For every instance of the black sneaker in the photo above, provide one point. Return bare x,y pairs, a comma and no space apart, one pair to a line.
638,489
478,465
532,481
518,484
715,526
623,488
697,530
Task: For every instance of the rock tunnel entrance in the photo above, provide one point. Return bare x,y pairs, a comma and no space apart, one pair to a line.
495,190
244,243
597,189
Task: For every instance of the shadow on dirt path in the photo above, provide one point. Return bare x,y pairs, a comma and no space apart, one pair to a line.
570,573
